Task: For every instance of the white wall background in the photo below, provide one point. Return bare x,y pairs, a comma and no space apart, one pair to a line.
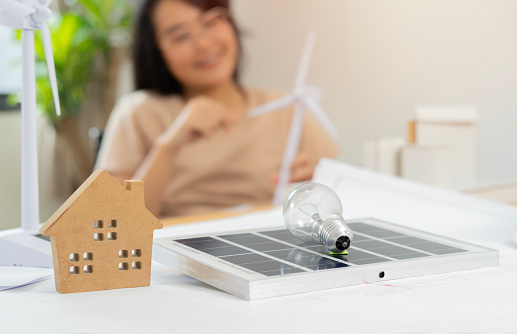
10,53
376,60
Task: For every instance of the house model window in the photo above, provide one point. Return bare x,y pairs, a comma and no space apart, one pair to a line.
102,253
136,252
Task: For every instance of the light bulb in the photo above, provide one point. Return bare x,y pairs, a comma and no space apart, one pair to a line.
312,213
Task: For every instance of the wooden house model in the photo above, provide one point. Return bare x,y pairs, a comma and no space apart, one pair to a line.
102,236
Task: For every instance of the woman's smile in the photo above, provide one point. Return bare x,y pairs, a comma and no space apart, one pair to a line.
210,61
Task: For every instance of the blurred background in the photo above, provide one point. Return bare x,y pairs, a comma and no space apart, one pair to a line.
376,62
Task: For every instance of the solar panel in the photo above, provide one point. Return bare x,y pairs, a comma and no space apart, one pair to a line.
268,263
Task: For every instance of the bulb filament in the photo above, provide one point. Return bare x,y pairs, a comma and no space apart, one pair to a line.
311,208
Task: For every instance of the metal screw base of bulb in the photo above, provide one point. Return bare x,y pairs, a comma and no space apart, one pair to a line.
331,231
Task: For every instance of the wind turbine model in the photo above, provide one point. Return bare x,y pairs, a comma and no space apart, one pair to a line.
29,15
303,97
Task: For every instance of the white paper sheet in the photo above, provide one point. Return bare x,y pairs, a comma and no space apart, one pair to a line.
16,277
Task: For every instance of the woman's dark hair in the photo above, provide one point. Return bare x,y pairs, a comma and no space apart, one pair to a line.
150,69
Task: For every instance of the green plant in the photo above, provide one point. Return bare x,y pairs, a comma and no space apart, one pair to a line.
72,61
83,38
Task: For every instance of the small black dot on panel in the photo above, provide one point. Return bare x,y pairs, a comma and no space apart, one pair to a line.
271,252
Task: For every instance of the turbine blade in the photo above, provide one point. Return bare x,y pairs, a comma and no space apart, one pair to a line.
291,150
281,102
304,63
313,92
16,9
47,45
320,116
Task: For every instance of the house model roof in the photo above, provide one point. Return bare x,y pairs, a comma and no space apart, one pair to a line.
99,193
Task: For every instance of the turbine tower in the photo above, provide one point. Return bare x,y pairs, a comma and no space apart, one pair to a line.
304,98
28,15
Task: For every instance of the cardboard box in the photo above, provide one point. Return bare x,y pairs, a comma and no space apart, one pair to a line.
430,164
456,127
382,154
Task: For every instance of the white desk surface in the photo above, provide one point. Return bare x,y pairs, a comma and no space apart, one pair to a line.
468,302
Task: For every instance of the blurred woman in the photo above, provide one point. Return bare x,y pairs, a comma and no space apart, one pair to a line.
185,131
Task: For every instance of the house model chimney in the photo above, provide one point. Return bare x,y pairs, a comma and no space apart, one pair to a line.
136,187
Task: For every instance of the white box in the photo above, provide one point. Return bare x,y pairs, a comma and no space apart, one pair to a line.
430,164
382,154
456,127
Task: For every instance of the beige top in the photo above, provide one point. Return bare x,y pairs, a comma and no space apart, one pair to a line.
225,170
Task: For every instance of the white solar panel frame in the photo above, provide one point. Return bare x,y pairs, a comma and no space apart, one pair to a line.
251,285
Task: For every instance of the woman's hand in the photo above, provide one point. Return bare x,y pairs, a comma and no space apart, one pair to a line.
200,118
301,169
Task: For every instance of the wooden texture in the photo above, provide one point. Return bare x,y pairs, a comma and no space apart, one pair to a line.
506,193
411,131
102,236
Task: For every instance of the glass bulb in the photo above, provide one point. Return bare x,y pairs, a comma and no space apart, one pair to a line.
312,213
